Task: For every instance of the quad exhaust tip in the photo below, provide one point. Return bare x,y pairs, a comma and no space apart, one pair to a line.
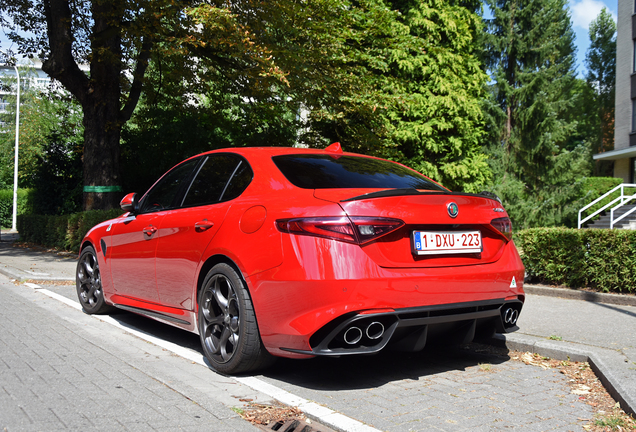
373,331
353,335
510,316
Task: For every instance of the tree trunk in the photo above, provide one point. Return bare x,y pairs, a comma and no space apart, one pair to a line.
101,154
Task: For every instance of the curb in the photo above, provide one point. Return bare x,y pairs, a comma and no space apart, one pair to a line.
21,276
576,294
600,361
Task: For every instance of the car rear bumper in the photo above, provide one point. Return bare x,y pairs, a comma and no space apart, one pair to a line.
299,308
410,329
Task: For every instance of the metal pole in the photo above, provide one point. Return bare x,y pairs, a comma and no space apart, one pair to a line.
17,140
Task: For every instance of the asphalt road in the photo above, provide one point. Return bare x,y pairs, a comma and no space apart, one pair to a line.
61,369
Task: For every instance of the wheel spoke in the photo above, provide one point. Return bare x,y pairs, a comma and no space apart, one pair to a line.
225,337
218,295
82,273
214,320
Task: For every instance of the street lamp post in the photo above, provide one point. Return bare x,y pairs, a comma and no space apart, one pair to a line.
17,141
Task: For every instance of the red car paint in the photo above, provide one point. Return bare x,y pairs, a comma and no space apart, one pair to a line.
304,286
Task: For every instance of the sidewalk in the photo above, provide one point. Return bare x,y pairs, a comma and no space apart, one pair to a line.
557,323
34,264
574,328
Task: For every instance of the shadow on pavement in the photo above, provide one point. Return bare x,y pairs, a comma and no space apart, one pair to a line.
366,372
343,373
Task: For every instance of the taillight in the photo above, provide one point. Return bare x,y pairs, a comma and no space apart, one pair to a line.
356,230
504,226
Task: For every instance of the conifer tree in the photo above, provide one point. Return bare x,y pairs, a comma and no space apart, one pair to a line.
436,126
600,60
530,56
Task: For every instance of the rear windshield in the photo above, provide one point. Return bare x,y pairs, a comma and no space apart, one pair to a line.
332,172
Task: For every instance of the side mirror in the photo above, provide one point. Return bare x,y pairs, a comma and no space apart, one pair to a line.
129,203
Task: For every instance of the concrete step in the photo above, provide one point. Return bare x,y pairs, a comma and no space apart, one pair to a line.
604,221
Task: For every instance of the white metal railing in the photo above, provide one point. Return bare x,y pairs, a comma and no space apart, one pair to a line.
622,199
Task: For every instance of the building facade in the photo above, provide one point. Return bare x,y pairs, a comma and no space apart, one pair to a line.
31,76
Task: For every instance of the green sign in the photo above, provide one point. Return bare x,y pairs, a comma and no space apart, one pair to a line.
102,189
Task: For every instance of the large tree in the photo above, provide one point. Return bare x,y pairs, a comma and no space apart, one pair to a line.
396,79
361,72
114,40
600,60
530,56
436,124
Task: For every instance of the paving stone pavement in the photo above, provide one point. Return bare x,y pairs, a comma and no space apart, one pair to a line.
55,376
63,370
449,390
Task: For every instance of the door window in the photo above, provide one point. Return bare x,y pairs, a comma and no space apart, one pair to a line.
165,193
221,177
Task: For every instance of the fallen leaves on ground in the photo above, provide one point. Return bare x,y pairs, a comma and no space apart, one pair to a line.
262,414
584,383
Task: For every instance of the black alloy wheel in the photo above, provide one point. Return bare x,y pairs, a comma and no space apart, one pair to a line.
227,323
89,283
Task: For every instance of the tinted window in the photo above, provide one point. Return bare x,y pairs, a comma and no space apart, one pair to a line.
211,182
239,182
326,172
164,194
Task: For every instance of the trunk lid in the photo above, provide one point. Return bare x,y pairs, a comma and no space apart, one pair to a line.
423,211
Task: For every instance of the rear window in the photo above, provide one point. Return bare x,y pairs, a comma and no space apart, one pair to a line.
343,172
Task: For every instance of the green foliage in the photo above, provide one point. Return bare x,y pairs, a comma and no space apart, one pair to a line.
25,205
435,124
31,138
50,151
401,82
57,172
600,61
600,259
535,147
532,69
64,231
553,205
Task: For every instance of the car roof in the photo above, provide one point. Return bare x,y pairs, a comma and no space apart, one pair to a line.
277,151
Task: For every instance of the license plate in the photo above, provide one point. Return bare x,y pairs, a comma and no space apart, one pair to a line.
446,242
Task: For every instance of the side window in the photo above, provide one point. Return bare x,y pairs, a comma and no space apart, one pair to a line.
239,182
163,195
211,183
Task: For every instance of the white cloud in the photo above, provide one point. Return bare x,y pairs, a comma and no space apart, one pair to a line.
584,11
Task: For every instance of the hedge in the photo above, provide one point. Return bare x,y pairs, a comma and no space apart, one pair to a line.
596,258
25,205
63,232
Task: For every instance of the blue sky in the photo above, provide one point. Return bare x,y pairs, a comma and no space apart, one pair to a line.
583,12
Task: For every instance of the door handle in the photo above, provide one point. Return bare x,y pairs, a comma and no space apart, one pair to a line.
150,230
203,225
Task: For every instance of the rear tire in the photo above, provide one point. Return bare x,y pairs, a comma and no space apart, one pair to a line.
227,324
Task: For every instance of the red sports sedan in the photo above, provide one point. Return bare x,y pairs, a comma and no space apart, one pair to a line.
299,252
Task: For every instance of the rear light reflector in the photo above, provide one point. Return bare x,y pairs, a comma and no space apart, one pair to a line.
504,226
356,230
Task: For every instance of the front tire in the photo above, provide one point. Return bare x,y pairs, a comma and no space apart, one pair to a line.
89,283
227,323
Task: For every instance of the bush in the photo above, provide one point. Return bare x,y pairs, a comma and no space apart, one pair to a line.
600,259
63,232
25,205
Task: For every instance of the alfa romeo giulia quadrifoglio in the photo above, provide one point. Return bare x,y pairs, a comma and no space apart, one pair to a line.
287,252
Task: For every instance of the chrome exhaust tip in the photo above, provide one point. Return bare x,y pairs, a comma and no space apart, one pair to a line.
353,335
375,330
510,316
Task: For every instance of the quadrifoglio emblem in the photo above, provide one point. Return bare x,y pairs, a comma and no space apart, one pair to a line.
453,209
